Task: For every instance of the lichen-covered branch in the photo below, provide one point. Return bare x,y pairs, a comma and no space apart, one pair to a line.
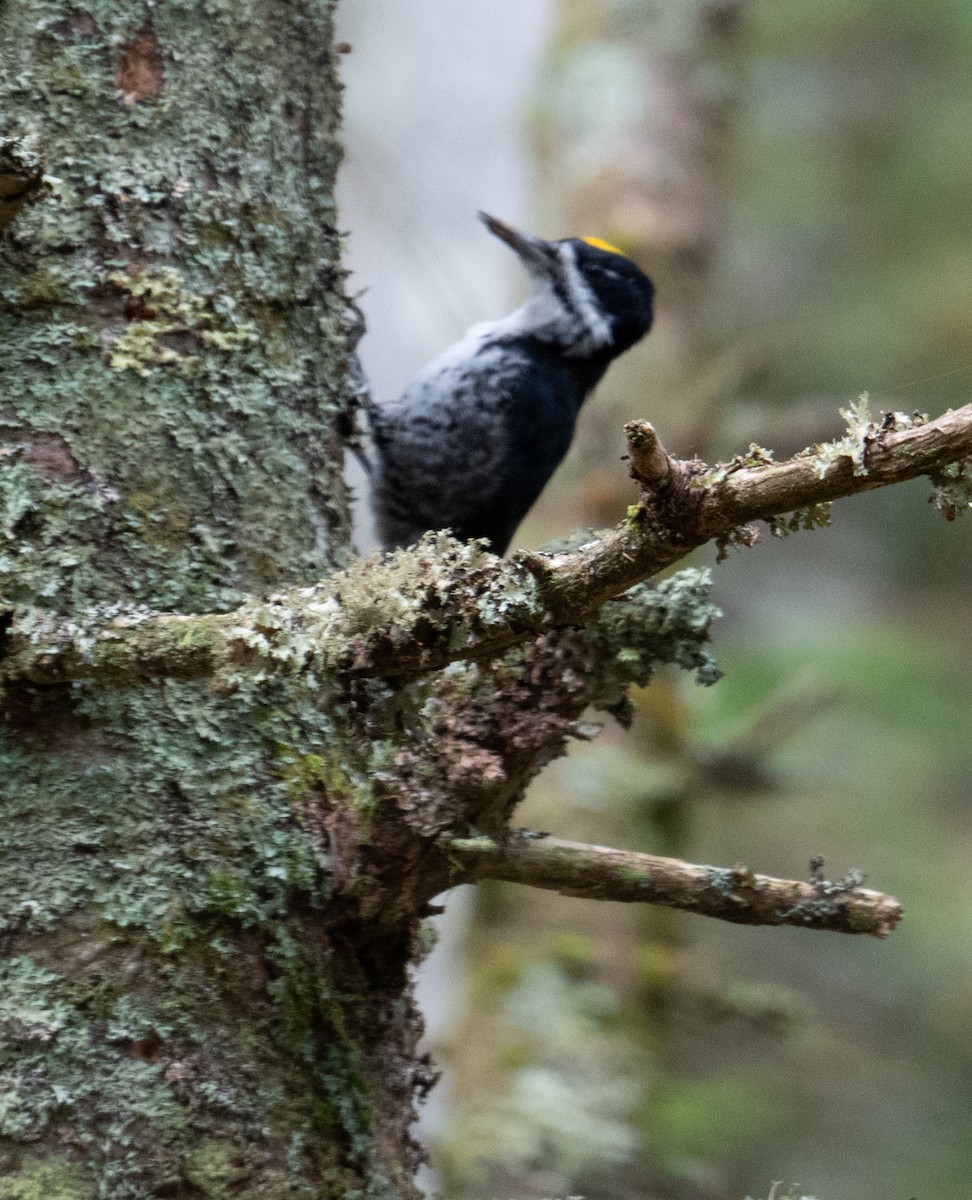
370,621
687,504
731,894
420,609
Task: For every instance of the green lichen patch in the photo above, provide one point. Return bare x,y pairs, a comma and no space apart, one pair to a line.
862,431
393,610
952,493
161,862
172,307
440,579
167,1086
755,456
58,1071
216,1168
172,323
52,1178
814,516
649,625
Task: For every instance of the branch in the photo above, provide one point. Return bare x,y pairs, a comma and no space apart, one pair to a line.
417,610
695,504
731,894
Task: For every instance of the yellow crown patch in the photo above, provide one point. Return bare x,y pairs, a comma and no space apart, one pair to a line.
600,244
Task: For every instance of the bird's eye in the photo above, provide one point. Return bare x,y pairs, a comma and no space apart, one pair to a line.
602,271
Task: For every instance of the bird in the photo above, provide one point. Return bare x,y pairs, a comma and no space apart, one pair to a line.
475,437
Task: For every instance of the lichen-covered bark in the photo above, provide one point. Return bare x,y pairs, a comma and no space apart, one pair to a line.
172,349
178,1017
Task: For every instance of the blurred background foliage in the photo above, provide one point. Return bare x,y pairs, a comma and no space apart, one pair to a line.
796,176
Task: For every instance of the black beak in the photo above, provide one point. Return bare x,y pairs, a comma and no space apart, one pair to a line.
537,255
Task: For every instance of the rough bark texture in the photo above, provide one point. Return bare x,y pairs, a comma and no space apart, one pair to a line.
179,1012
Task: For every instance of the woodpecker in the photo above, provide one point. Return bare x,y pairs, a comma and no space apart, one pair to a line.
474,438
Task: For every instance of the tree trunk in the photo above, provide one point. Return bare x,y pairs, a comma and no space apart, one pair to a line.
179,1017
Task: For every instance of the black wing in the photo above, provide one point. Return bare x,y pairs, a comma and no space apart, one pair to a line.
470,450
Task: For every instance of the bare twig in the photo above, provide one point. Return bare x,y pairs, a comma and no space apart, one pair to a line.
731,894
423,608
648,460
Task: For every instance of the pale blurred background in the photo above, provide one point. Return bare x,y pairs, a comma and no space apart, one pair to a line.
797,179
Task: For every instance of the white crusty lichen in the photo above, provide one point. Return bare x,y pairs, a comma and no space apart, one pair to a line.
952,494
440,581
862,432
439,591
